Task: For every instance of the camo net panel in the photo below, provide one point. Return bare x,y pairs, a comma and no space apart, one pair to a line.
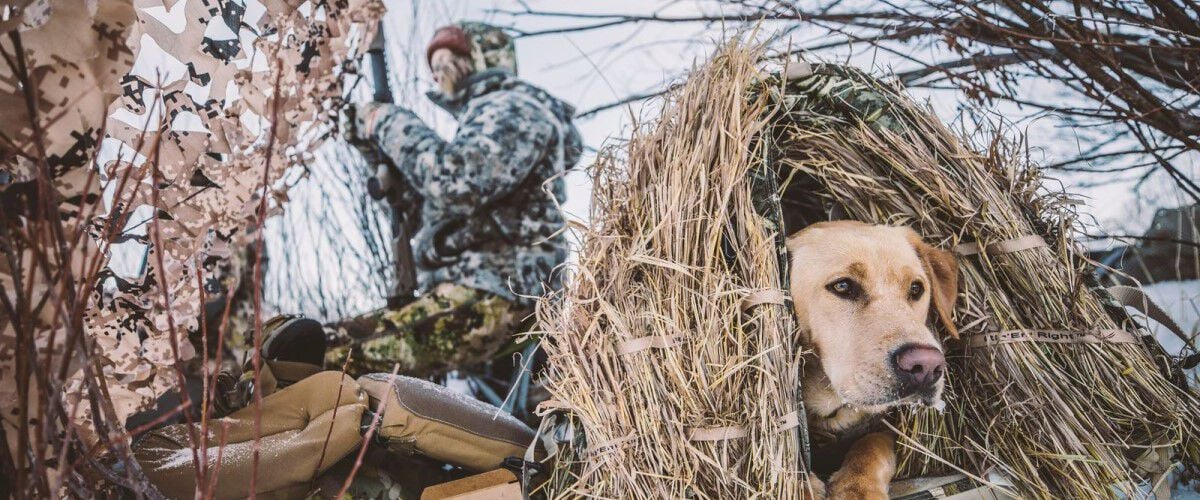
162,124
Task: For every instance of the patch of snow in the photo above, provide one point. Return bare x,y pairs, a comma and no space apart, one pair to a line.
431,390
1181,301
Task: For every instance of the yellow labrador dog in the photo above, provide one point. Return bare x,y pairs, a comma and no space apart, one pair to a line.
862,295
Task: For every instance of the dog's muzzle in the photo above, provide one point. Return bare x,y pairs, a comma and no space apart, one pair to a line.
919,368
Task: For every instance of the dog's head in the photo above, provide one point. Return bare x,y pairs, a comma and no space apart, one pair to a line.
862,295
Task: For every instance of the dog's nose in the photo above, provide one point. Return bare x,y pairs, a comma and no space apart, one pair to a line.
919,365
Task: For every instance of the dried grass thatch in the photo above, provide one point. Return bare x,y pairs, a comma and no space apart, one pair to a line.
674,250
677,246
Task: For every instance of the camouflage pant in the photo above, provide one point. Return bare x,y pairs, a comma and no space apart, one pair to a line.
450,327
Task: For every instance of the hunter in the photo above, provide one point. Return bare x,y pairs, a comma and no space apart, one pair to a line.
490,232
489,240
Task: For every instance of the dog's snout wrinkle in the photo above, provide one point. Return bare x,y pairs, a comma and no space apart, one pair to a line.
919,366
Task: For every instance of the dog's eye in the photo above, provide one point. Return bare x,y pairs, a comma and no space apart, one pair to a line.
845,288
916,290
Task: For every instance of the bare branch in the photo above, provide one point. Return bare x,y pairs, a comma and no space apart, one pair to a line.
1128,70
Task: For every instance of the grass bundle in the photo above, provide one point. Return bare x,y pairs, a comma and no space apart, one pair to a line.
670,346
1062,420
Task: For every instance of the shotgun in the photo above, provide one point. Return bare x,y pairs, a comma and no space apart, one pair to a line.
390,184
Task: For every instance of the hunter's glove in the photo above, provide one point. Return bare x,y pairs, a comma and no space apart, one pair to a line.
358,126
359,120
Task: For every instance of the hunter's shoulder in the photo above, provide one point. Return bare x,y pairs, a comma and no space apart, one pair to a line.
518,93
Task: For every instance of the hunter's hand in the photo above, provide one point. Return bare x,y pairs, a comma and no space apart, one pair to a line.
359,120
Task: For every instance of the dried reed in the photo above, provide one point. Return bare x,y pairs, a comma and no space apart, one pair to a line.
674,250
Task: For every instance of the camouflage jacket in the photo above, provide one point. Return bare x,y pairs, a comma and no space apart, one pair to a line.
490,218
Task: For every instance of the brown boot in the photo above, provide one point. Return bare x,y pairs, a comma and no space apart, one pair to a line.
301,431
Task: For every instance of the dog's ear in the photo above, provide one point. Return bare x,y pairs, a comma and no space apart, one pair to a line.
942,268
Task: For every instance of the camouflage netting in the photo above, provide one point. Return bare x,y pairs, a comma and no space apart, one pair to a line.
162,123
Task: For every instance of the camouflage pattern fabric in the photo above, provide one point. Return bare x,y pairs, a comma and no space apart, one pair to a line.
451,327
373,482
491,47
832,91
490,217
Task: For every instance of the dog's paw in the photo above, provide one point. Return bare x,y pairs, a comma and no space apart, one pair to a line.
814,488
847,487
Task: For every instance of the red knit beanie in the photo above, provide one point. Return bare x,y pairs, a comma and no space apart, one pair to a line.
448,37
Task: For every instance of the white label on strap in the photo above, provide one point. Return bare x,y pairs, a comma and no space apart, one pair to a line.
643,343
717,433
1002,247
789,421
773,296
1052,337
